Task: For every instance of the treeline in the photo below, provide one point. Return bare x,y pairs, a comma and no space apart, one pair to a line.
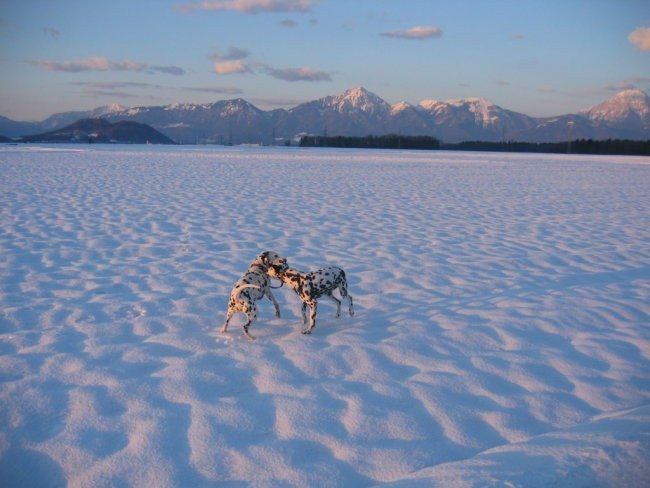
623,147
390,141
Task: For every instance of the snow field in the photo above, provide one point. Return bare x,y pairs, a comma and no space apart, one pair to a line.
500,337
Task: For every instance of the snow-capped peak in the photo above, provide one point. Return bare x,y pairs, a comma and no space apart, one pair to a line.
429,104
622,106
113,108
360,99
482,110
400,107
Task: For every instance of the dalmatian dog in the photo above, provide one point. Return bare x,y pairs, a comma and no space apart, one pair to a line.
313,285
253,286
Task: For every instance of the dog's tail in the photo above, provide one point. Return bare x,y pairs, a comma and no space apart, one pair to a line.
241,288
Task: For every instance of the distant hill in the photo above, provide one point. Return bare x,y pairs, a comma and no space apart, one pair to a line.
101,130
359,113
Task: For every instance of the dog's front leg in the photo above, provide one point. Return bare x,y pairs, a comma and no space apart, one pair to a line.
303,309
312,317
275,303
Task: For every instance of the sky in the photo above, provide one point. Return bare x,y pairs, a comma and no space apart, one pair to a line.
541,58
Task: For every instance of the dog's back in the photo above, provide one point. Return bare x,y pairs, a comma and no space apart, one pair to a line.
315,284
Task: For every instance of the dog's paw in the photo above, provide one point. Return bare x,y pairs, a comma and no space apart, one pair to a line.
306,332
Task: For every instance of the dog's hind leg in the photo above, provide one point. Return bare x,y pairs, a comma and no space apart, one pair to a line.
245,330
251,317
343,290
338,304
229,315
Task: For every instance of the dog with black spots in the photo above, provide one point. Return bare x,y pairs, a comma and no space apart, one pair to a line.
313,285
253,286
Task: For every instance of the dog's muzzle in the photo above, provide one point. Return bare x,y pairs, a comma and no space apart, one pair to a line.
279,266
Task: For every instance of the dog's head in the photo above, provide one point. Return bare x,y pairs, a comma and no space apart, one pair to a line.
288,275
271,262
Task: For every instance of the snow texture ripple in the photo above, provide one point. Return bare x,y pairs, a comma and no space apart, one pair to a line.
500,339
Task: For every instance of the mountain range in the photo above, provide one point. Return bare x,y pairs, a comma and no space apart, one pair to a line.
359,112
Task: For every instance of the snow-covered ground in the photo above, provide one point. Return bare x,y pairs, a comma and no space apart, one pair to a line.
501,335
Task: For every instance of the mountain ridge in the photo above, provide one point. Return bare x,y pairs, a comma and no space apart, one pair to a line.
359,112
101,130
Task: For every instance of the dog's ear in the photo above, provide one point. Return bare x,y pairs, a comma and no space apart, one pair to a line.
265,257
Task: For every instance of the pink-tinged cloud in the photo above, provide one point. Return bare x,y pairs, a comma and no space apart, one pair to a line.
94,63
249,6
298,74
417,32
640,37
231,68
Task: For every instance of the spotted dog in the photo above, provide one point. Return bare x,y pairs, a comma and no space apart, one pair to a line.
311,286
253,286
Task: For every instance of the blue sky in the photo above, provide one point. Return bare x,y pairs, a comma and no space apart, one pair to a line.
541,58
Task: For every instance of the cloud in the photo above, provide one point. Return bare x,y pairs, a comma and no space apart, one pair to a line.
288,23
233,53
297,74
169,70
218,90
417,32
248,6
100,63
640,37
629,84
112,88
94,63
51,32
112,85
231,67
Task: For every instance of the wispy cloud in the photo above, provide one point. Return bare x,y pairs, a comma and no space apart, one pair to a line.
51,32
113,89
231,67
214,89
169,70
297,74
288,23
628,84
100,63
640,37
248,6
232,54
112,85
94,63
417,33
